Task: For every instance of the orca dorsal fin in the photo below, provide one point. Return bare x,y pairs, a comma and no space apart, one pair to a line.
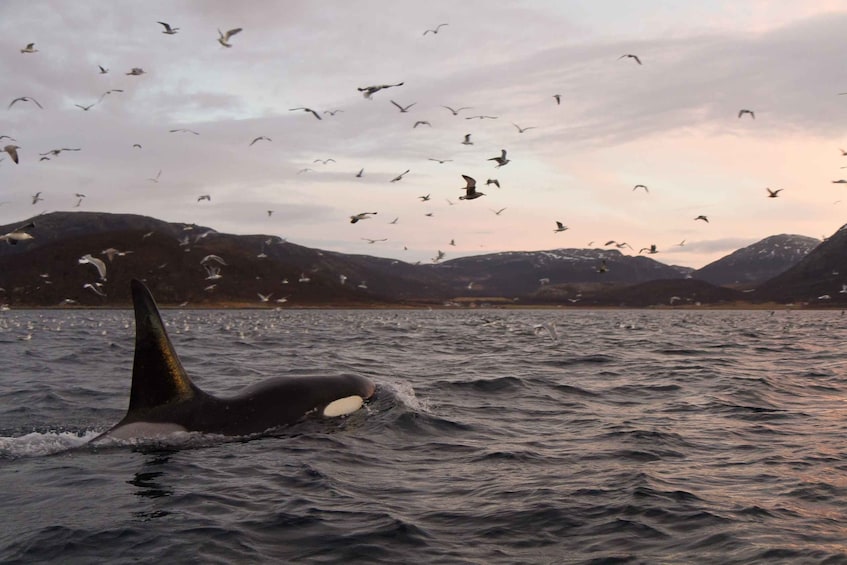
157,374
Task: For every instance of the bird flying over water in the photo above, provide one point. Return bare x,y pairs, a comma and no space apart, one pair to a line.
12,150
470,189
136,71
650,250
495,182
631,56
520,129
641,186
467,140
560,227
86,108
25,99
315,114
18,234
400,176
36,198
168,29
372,241
360,216
435,30
103,70
457,110
558,98
773,193
97,263
440,161
421,123
403,109
368,91
501,160
742,112
183,130
261,137
223,38
702,217
30,48
204,197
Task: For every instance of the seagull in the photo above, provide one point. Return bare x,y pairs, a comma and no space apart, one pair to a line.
315,114
12,150
558,98
839,181
702,217
26,99
102,96
394,221
85,108
324,161
403,109
168,29
136,71
467,140
30,48
372,241
501,160
560,227
103,70
440,161
637,186
136,145
55,152
98,264
223,38
204,197
439,257
36,198
111,252
270,213
183,130
261,137
95,289
470,189
435,31
631,56
332,112
520,129
368,91
400,176
681,243
773,193
18,234
602,268
495,182
79,199
498,212
481,117
361,216
421,123
424,198
360,173
156,178
742,112
265,297
306,170
456,111
650,250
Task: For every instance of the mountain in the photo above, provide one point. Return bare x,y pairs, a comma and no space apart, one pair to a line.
522,273
817,279
758,262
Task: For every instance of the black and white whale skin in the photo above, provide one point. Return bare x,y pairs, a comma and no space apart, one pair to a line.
163,399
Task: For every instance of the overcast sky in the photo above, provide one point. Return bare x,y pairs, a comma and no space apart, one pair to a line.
670,124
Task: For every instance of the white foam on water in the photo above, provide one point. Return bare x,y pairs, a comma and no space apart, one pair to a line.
38,444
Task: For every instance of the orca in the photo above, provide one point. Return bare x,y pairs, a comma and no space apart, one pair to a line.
164,400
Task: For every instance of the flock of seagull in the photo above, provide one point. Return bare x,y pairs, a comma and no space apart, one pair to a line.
213,264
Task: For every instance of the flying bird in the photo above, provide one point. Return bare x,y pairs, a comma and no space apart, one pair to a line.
324,161
498,212
315,114
702,217
97,263
440,161
103,70
470,189
12,150
360,216
435,30
839,181
25,99
223,38
261,137
332,112
560,227
204,197
400,176
495,182
360,173
501,160
86,108
183,130
94,288
372,241
18,234
773,193
457,110
421,123
467,140
742,112
631,56
403,109
168,29
520,129
368,91
30,48
136,71
637,186
558,98
55,152
424,198
481,117
156,178
650,250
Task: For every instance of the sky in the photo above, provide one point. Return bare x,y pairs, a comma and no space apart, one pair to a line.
670,123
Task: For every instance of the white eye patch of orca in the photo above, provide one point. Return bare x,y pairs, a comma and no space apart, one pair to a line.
343,406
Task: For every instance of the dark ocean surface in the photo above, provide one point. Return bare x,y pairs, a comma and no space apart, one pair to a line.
629,437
